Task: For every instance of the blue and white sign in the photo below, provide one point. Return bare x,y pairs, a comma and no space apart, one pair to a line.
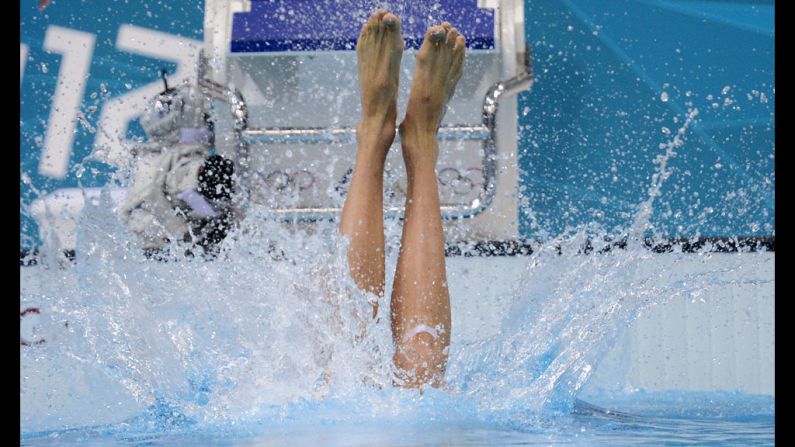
86,70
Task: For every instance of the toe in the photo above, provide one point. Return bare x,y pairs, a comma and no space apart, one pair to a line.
378,14
452,35
374,21
391,21
446,26
460,43
436,34
457,70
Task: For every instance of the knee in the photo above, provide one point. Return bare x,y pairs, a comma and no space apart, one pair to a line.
421,360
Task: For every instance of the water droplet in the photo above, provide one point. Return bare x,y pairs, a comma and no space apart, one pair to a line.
84,123
666,130
664,96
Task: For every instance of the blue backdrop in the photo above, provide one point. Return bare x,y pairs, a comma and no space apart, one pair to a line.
614,77
112,72
614,81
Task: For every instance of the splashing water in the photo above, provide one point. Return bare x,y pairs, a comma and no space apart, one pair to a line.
274,332
644,212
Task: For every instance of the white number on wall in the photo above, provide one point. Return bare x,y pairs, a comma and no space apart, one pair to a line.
23,57
112,145
77,48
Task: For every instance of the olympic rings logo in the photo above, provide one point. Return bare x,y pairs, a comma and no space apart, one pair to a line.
460,182
28,311
285,182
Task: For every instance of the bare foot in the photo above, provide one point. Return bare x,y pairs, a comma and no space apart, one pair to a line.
378,52
440,64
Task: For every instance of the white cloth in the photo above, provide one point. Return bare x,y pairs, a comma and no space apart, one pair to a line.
198,203
151,207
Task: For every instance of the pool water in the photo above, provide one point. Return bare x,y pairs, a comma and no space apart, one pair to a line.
256,349
588,425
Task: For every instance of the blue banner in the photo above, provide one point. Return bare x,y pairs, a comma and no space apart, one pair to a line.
311,25
615,82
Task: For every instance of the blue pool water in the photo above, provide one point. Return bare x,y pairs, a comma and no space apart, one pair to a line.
237,352
753,424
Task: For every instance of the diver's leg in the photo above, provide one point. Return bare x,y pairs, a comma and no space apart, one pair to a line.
420,299
378,50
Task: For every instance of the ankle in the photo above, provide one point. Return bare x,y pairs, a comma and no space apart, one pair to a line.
420,148
418,128
376,131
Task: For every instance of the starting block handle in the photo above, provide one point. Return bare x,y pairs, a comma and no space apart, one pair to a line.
487,132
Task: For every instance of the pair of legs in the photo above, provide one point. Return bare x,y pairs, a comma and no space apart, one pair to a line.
420,299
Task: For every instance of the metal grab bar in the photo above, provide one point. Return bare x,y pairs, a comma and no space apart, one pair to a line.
287,135
487,132
491,102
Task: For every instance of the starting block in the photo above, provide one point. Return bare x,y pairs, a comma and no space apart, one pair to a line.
288,70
